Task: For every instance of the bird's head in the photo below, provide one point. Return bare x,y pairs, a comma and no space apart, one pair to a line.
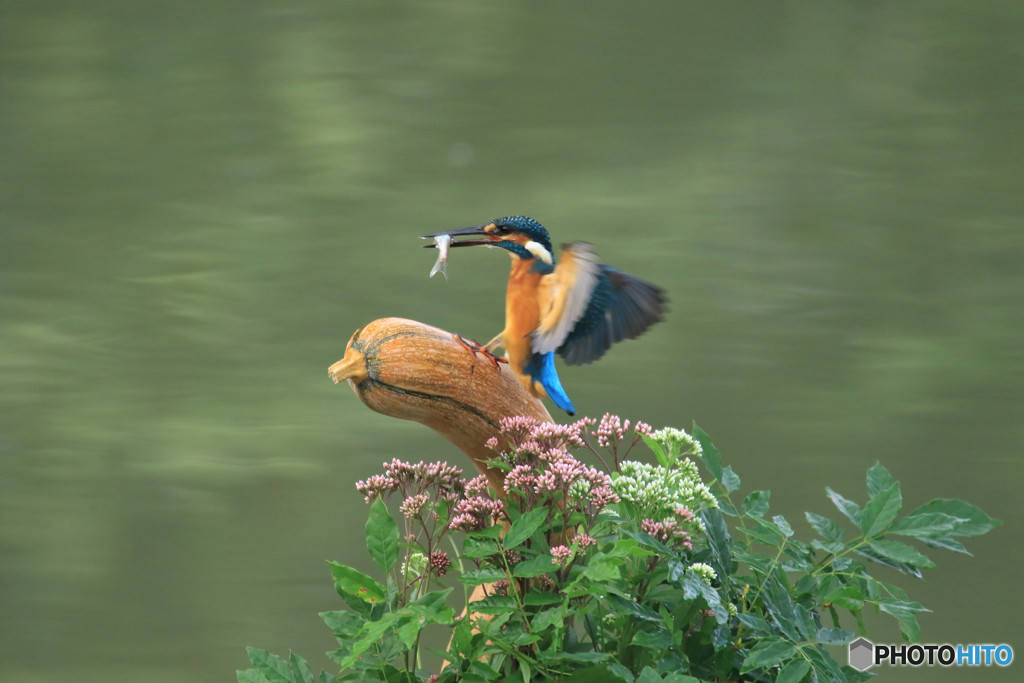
521,236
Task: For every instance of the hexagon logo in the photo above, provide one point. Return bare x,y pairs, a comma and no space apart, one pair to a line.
862,654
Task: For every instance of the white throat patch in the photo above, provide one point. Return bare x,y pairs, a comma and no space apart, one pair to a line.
538,250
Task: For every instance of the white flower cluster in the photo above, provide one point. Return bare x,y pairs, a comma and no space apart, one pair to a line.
704,572
676,442
658,491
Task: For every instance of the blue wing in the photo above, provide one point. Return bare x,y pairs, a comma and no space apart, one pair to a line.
620,307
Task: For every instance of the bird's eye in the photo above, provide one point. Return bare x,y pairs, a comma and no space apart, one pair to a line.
499,230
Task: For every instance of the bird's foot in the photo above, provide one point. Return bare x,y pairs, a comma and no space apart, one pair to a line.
474,347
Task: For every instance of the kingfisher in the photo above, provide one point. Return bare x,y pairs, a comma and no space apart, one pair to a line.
575,307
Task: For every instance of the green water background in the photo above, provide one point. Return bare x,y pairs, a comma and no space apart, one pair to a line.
201,201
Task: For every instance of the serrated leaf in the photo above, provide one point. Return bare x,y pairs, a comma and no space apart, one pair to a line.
250,676
479,547
409,631
825,527
629,608
274,668
542,564
767,653
537,599
546,618
756,503
977,521
484,575
603,570
343,622
493,604
901,553
719,542
825,668
794,672
881,510
879,479
783,525
906,616
382,536
850,509
730,480
835,636
524,527
847,597
926,524
658,639
711,458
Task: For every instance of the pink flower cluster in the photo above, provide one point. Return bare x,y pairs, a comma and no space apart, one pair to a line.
667,531
560,555
530,435
612,429
413,480
474,513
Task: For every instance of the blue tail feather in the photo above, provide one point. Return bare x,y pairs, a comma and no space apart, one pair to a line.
542,369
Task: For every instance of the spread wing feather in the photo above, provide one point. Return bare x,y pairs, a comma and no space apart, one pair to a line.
565,295
592,306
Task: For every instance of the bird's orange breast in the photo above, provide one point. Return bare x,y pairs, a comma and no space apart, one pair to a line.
522,312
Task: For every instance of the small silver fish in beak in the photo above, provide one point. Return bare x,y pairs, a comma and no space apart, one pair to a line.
442,242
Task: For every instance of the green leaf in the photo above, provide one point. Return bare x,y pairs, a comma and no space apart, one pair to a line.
847,597
901,553
825,527
693,586
765,532
881,511
976,523
274,668
250,676
493,604
631,609
719,542
547,618
542,564
879,479
537,599
767,653
382,536
477,577
924,524
794,672
730,480
343,622
783,525
524,527
711,458
658,451
835,636
604,569
825,668
478,547
906,614
658,639
300,669
353,582
410,631
756,503
850,509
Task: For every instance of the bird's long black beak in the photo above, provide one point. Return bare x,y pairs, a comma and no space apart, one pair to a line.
458,232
